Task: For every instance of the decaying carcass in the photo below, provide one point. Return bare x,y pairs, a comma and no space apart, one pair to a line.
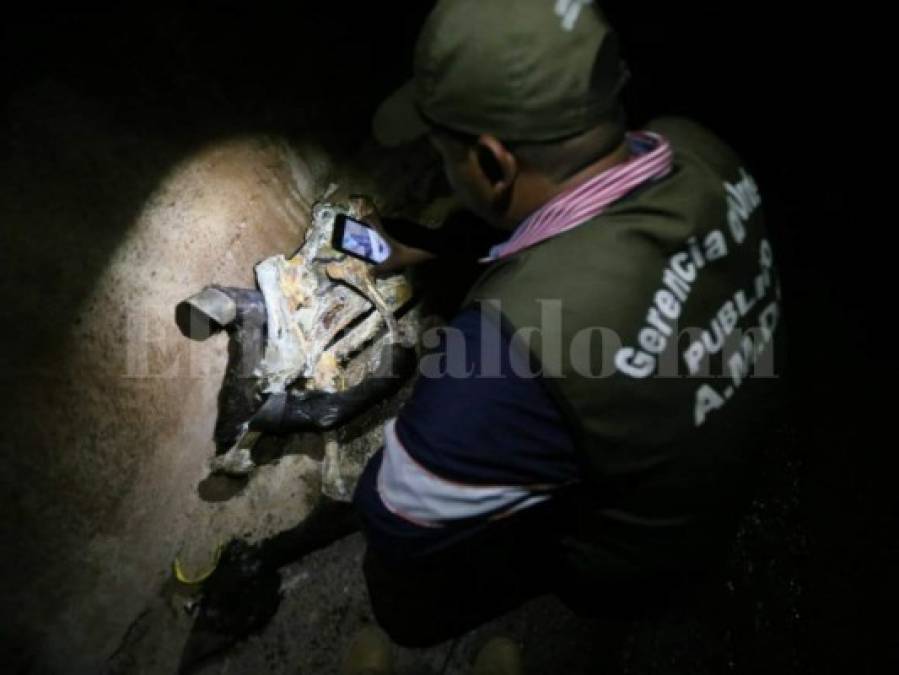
319,323
319,337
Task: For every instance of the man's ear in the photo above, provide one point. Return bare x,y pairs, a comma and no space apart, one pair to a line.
499,166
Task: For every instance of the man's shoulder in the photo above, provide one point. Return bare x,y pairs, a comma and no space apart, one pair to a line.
688,138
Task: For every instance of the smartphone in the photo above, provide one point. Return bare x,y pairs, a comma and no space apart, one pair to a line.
359,240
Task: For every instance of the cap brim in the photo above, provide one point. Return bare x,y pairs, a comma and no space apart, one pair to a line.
397,120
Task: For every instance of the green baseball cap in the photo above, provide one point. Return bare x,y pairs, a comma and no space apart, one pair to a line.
523,70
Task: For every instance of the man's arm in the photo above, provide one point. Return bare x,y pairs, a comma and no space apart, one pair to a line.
463,237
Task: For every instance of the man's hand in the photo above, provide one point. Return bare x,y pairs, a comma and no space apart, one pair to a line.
401,256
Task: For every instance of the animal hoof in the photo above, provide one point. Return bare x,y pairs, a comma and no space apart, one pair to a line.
233,463
205,313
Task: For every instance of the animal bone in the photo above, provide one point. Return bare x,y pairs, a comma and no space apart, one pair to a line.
308,310
324,320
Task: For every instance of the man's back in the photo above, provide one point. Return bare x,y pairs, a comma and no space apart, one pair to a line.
651,318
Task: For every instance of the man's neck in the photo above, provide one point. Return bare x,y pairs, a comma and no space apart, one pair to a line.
538,189
618,156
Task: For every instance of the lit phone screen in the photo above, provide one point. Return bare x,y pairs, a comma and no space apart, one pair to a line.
364,242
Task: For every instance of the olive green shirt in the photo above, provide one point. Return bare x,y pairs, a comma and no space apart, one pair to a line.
655,326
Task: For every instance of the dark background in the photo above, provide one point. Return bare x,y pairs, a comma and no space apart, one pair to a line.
780,87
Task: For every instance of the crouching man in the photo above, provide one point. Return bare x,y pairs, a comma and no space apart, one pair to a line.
590,421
